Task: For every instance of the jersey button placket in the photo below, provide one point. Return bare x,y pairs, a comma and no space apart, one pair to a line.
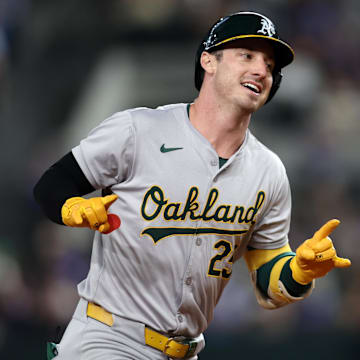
215,163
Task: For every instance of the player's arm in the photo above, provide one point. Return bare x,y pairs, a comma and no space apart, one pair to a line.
282,277
59,193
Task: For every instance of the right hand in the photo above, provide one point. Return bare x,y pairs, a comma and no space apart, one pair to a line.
91,213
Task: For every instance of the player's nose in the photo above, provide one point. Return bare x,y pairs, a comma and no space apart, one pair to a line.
259,66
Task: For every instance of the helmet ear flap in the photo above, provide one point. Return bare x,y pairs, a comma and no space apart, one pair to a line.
277,77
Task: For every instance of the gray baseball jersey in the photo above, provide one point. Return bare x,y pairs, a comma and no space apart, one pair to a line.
184,219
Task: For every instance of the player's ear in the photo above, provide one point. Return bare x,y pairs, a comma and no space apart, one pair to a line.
208,62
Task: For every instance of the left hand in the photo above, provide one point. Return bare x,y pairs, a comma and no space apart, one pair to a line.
317,256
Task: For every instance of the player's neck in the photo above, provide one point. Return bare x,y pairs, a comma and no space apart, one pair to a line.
224,128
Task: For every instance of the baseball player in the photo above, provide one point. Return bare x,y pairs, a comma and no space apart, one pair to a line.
190,191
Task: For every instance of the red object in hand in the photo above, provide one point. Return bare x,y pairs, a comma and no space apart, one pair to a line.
114,222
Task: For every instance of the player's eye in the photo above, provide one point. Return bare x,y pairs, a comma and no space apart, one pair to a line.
270,66
246,55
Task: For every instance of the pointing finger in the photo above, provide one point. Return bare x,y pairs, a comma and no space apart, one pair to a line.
325,230
108,200
341,262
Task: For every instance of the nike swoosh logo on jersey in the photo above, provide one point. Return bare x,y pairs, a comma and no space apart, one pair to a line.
164,149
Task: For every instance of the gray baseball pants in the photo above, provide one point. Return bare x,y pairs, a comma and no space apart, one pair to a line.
88,339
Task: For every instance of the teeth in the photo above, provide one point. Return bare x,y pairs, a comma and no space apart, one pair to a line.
252,87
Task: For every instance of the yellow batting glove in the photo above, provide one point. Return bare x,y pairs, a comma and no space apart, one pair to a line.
91,213
317,256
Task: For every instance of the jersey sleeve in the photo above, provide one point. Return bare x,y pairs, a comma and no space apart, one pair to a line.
271,230
106,154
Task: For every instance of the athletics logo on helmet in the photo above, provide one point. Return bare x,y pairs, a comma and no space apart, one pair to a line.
268,28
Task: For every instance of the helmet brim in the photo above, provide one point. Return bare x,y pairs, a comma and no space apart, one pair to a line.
284,54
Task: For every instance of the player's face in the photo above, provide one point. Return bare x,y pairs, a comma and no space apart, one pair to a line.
243,74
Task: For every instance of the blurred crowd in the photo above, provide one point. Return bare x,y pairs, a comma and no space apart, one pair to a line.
66,65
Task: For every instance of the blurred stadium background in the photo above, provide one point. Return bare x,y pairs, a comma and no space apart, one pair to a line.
66,65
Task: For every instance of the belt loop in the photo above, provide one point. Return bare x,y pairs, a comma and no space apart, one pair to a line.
98,313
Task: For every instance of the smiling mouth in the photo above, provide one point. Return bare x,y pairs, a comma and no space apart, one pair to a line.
252,87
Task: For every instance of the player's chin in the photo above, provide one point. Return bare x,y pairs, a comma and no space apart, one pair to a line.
253,101
252,104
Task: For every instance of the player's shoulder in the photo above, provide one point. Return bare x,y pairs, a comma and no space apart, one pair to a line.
147,117
264,154
146,120
157,112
